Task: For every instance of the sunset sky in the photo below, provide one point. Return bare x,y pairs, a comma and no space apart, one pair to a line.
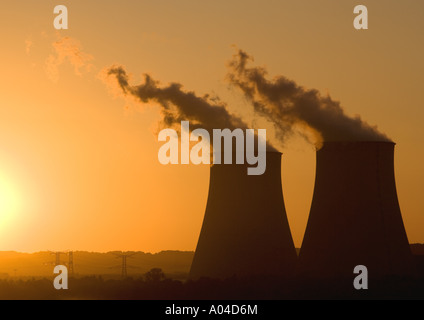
78,162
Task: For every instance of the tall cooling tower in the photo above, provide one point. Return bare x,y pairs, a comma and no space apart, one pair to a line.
355,217
245,229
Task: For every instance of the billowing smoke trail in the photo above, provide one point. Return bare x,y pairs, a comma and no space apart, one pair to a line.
178,105
288,106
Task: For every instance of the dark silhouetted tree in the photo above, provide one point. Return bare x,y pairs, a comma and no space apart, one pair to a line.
155,275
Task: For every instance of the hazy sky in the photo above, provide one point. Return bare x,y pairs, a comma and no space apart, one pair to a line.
78,164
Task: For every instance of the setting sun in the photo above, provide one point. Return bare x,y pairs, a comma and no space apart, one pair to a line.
9,202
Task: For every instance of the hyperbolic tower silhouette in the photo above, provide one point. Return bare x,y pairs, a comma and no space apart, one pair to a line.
355,217
245,229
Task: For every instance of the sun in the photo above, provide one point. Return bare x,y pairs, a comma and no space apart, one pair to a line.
9,202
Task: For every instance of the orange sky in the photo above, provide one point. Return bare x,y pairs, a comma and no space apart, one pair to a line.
79,171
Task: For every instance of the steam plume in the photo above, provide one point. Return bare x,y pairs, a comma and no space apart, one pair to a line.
66,48
178,105
287,105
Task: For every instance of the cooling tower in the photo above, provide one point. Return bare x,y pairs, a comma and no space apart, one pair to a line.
355,217
245,231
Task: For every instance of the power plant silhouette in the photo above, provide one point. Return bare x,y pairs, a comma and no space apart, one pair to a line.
355,216
354,219
245,230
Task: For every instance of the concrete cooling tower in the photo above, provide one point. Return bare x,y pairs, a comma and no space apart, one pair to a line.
245,231
355,217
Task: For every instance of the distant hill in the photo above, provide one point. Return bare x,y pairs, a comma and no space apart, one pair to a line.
40,264
175,264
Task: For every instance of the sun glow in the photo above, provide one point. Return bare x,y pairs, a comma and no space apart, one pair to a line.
9,202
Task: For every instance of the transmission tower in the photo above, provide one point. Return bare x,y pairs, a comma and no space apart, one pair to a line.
58,261
71,263
57,254
124,256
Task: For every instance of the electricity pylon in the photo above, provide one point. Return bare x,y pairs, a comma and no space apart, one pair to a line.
57,254
69,264
124,257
